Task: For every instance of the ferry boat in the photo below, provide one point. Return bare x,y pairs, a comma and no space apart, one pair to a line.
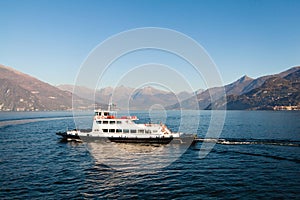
110,128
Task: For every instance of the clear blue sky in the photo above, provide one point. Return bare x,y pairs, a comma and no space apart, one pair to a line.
49,39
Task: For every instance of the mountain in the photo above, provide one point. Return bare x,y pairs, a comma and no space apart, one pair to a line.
127,97
144,98
259,81
275,91
203,99
186,95
81,91
238,87
21,92
236,93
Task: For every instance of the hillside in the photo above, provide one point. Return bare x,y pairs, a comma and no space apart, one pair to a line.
277,89
21,92
203,99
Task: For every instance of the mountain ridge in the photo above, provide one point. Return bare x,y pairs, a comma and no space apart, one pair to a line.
22,92
124,97
281,89
242,86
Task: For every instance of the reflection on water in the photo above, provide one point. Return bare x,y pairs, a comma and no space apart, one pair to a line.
135,157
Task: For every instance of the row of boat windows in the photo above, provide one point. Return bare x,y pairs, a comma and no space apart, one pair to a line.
127,131
109,122
100,113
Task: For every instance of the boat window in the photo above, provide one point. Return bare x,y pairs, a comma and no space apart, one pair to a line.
119,122
141,131
106,113
119,130
133,131
125,130
99,122
148,131
112,130
154,131
97,113
105,122
112,122
105,130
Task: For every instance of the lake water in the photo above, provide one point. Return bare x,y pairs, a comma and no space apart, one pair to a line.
257,156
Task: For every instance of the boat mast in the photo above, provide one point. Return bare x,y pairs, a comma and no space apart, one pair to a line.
111,106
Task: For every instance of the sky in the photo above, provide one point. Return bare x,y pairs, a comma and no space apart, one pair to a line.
51,39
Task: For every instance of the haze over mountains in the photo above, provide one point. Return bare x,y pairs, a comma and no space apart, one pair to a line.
21,92
127,97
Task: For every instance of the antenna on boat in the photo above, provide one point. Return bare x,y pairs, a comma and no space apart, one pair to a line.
111,106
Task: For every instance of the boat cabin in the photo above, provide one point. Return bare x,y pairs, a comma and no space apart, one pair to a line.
101,114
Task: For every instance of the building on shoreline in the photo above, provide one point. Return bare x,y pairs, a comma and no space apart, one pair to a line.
286,107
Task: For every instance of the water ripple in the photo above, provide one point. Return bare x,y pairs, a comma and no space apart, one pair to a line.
35,164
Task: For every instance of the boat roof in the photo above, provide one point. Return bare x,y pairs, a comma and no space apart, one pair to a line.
101,110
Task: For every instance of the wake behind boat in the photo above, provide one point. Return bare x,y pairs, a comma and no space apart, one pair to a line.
108,127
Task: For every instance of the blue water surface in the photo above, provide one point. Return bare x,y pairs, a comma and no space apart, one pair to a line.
258,157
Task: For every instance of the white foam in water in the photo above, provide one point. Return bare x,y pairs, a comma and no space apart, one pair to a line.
249,142
257,142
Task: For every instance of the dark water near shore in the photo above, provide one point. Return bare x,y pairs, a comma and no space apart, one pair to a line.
258,156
